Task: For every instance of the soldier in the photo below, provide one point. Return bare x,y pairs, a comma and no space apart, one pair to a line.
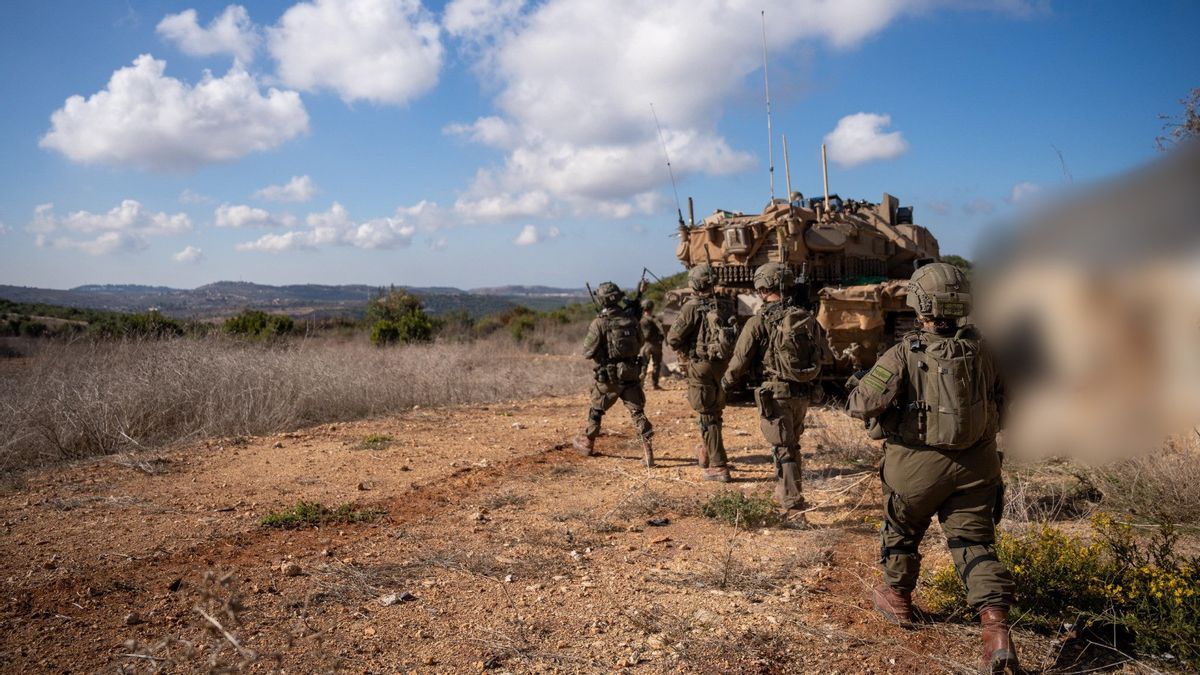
937,399
652,351
782,338
614,340
703,336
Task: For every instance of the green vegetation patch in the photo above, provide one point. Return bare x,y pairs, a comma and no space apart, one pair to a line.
734,507
315,514
1142,585
376,442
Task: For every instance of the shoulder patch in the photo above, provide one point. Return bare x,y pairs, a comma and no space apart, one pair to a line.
878,378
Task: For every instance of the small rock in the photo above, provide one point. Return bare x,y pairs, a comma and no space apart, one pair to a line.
133,619
277,444
508,578
389,599
479,516
429,661
369,631
407,597
518,425
660,540
703,616
405,467
364,486
290,569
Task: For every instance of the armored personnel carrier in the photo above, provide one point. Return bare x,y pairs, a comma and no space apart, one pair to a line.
855,256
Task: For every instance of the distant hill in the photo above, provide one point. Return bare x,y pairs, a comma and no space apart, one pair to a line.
302,301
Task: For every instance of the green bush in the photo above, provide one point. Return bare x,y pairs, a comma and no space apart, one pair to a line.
734,507
1118,579
253,323
315,514
398,316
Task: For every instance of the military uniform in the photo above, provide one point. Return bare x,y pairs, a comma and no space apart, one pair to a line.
615,378
652,351
937,398
782,405
704,391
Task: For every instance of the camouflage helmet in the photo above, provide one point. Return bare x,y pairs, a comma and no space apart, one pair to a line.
940,290
648,305
702,278
609,293
772,275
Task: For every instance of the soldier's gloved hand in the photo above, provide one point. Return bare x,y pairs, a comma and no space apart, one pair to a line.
726,383
856,378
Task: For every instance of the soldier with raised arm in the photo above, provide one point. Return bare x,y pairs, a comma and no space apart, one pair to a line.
937,400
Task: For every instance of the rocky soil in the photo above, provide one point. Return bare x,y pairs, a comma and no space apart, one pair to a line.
498,548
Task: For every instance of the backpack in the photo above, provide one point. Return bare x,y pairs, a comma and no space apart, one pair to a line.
622,336
718,330
793,354
951,376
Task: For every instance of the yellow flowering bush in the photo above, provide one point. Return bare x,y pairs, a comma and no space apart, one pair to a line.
1142,585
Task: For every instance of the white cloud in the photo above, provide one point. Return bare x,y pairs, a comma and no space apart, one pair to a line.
979,207
298,189
574,79
145,119
1024,191
126,227
860,138
190,196
190,255
230,33
335,228
530,235
240,215
384,51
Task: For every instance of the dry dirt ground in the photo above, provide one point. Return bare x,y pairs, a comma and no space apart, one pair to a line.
515,554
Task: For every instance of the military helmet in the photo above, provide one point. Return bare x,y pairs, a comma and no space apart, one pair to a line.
940,290
702,278
648,305
772,275
609,293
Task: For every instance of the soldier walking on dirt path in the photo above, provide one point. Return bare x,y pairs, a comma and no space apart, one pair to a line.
938,401
703,336
652,351
614,341
783,339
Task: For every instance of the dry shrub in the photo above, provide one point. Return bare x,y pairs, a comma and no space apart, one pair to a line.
77,400
831,431
1160,487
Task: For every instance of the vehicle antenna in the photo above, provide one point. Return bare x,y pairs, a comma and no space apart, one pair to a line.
787,169
767,88
825,175
670,172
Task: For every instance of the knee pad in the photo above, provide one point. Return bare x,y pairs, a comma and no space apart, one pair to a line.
595,414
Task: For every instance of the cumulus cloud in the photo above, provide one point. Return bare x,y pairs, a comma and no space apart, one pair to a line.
573,79
189,255
384,51
1024,191
298,189
240,215
147,120
530,235
126,227
860,138
230,33
335,228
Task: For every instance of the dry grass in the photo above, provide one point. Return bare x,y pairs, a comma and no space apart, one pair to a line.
70,401
1159,487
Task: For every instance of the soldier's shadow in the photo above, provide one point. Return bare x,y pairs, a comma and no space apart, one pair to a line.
755,460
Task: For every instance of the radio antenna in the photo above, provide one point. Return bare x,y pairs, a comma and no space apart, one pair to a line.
767,88
670,172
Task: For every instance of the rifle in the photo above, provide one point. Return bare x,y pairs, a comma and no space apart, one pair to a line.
595,302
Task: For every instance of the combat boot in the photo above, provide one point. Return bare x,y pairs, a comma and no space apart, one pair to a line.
648,453
584,445
999,655
895,606
718,473
701,452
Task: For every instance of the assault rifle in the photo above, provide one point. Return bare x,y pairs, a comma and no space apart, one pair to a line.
592,294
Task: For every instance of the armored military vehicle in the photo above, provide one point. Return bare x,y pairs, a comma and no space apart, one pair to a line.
855,256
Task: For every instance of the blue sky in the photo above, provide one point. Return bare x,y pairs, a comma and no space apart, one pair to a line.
487,142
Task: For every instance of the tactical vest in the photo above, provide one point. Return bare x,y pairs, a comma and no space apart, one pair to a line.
792,354
718,329
949,390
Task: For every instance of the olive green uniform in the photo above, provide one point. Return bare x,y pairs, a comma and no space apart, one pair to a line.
782,405
614,380
652,351
703,377
961,487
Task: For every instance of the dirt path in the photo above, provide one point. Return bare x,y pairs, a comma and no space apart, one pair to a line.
518,555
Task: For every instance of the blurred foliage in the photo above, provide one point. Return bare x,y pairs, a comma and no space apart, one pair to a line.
252,323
